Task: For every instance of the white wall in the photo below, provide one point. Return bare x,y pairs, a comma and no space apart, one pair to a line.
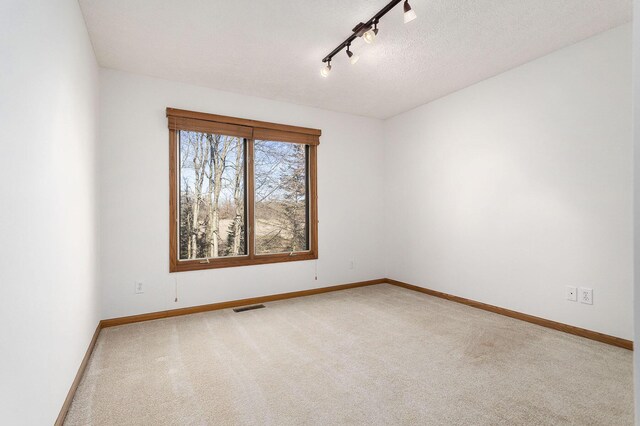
48,110
134,198
511,189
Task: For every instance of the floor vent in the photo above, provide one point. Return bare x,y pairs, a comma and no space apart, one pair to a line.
248,308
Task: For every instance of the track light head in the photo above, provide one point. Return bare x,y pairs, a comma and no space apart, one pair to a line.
370,36
352,58
409,14
326,70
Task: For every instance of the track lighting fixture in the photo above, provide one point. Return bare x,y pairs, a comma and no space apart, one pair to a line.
409,14
326,70
352,58
368,31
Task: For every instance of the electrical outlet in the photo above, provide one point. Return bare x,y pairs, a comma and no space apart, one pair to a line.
572,293
139,288
352,264
586,295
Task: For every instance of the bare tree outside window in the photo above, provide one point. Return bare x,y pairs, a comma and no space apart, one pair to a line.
212,195
281,209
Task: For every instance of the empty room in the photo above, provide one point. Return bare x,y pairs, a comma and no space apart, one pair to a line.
362,212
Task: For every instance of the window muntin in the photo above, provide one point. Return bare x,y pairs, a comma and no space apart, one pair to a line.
281,197
212,196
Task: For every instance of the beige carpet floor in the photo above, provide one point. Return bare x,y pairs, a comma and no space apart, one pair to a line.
378,355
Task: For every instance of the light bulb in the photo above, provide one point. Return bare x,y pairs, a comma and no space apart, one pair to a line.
353,58
325,71
409,14
370,36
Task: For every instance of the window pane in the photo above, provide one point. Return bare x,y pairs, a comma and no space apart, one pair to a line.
281,208
212,195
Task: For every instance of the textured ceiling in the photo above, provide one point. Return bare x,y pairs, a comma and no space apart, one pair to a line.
273,49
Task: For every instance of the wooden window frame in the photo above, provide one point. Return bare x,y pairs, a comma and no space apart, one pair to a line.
250,130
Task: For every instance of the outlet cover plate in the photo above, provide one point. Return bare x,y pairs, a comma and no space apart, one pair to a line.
572,293
586,295
139,288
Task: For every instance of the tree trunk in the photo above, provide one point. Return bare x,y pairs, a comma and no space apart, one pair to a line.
217,162
200,157
237,196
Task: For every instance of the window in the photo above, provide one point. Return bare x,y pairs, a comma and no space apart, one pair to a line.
242,192
280,197
212,195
